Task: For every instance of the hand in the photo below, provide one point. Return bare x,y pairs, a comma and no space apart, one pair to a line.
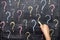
45,30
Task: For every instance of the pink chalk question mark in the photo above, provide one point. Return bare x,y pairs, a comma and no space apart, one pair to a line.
52,5
20,26
20,13
5,4
2,22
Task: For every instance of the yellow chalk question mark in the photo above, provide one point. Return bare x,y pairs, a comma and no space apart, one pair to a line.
30,8
13,25
28,35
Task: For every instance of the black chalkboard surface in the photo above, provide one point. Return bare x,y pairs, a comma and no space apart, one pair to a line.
19,19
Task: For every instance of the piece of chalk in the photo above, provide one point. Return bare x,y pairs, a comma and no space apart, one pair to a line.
39,22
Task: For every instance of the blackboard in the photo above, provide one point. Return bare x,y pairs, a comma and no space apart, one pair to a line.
19,18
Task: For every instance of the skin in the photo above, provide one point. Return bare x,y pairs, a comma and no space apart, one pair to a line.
45,30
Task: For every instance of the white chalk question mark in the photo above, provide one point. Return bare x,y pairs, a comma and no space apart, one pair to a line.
13,12
38,17
52,5
48,19
28,35
43,5
57,22
37,7
12,25
25,20
8,15
2,22
9,33
30,8
34,24
23,7
20,14
10,2
5,4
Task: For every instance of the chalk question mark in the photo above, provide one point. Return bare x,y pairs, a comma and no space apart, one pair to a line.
12,25
57,22
48,19
30,8
10,2
34,24
2,22
20,26
5,4
9,33
52,5
39,16
18,4
28,35
8,15
25,20
37,7
43,5
23,6
49,1
13,12
52,32
20,13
